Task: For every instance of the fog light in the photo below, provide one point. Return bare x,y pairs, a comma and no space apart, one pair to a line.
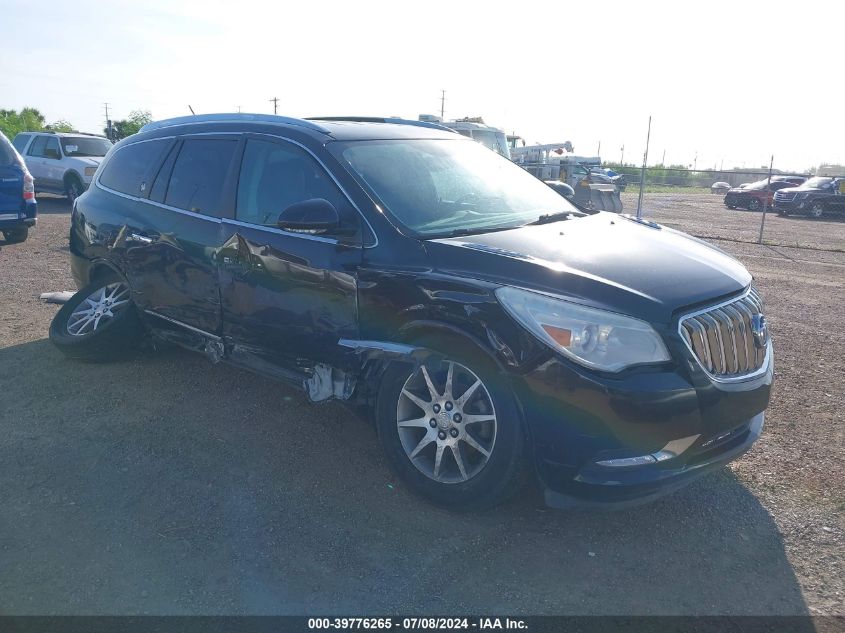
671,450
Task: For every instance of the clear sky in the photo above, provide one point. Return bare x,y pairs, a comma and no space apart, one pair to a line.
732,82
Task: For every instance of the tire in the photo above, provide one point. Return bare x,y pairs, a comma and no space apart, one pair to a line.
754,204
112,334
491,446
16,236
73,188
817,210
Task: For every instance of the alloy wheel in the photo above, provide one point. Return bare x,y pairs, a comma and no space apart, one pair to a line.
97,308
446,422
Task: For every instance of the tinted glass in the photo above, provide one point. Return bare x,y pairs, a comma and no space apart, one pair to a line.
275,176
130,166
52,148
438,187
20,141
85,146
38,145
199,174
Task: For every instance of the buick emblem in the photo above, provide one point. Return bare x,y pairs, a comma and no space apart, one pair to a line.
759,330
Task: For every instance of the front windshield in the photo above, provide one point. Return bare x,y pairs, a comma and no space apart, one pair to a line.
817,183
443,187
85,146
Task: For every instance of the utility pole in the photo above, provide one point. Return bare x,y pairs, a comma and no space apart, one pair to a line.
768,186
695,161
663,160
109,133
442,103
642,173
622,158
275,101
598,151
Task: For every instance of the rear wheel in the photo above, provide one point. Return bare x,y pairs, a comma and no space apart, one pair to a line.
16,236
817,210
99,323
754,204
451,430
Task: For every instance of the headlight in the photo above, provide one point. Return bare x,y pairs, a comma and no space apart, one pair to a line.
594,338
90,171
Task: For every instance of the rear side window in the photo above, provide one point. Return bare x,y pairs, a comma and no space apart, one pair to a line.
199,174
20,142
275,176
7,153
129,168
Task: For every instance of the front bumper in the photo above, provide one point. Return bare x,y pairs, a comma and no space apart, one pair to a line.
616,488
579,421
792,206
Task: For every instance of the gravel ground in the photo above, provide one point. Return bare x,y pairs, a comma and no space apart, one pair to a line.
166,485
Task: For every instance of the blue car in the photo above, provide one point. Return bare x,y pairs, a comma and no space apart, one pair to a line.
18,209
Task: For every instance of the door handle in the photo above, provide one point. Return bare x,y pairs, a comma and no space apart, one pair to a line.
141,239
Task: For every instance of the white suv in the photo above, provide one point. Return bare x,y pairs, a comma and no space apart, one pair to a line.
62,163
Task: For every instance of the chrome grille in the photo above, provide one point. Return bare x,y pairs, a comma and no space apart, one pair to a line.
783,196
721,337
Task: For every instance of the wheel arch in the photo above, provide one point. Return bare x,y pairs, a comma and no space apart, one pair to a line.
72,173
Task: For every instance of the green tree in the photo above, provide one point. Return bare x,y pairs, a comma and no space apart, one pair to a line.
130,125
13,122
60,126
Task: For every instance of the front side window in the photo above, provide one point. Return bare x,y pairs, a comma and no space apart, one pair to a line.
443,187
85,146
129,167
277,175
52,149
198,176
37,147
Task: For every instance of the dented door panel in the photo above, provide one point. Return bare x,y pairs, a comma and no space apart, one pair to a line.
287,299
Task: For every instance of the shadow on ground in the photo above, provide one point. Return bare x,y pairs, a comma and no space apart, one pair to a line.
166,485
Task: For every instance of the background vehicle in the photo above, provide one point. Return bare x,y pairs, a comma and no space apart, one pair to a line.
816,197
62,163
720,187
475,128
755,196
481,318
594,188
18,210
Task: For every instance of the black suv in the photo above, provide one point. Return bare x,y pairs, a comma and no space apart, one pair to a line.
483,322
816,197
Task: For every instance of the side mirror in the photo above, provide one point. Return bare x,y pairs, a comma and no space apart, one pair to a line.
314,216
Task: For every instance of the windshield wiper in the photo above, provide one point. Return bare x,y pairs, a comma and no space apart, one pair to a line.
548,218
469,231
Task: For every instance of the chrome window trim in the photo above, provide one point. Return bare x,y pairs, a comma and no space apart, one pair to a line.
764,367
184,325
234,221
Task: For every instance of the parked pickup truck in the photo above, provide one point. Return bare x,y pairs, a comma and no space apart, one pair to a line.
816,197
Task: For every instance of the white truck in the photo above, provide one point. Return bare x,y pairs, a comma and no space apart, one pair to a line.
476,129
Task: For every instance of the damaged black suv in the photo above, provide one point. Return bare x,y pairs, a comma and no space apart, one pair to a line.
484,322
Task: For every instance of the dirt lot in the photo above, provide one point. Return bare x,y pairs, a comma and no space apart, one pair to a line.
167,485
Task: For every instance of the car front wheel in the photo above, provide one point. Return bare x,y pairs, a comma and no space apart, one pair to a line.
754,204
817,210
99,323
73,188
452,431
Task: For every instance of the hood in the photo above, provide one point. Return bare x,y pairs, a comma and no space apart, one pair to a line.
88,161
604,260
738,190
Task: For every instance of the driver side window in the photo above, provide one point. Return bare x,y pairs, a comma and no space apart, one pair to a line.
276,175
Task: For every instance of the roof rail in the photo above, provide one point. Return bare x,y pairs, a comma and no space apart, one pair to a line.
230,117
379,119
